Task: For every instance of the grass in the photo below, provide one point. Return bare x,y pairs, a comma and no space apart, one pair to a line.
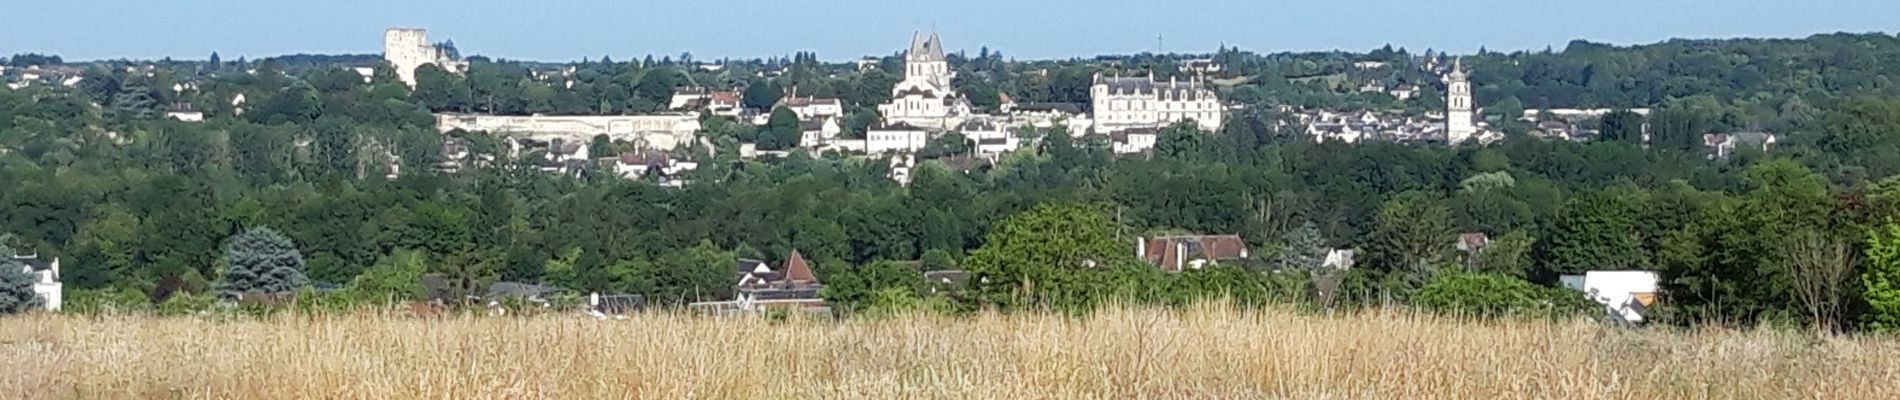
1209,351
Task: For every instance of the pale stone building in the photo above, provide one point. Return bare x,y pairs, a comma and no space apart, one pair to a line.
1122,103
1459,122
895,138
925,97
658,131
407,49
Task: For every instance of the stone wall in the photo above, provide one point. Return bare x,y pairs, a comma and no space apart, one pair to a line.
658,131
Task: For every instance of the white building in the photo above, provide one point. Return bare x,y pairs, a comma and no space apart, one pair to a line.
657,131
46,282
811,108
895,138
1137,140
1142,102
408,49
1625,295
989,138
819,133
925,98
1460,124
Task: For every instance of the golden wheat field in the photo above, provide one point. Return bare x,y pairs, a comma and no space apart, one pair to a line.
1202,352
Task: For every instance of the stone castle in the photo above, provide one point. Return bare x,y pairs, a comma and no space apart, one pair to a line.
407,49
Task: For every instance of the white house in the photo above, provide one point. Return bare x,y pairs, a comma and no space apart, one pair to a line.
1134,140
895,138
187,115
809,108
46,283
818,133
1624,294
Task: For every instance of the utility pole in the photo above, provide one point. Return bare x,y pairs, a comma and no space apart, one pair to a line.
1160,44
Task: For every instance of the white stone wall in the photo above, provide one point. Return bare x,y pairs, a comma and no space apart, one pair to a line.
877,141
661,131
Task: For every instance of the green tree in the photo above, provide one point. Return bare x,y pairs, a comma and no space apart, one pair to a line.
1411,233
1050,257
16,286
1881,279
1595,230
1490,296
781,131
397,277
1304,250
261,260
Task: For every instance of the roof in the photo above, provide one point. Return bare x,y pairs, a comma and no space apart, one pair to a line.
1472,241
517,289
976,126
1168,252
35,262
922,49
797,270
1191,89
947,277
896,126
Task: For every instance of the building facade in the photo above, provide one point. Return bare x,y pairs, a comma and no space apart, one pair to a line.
925,97
1122,103
407,49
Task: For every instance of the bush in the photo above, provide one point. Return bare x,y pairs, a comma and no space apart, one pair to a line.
106,301
187,304
1491,296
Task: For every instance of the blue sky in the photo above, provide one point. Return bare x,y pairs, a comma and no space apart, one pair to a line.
553,30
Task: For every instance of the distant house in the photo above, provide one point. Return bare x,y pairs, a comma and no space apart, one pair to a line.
46,283
1182,252
894,138
818,133
1625,295
1339,259
1721,145
947,281
813,107
1135,140
760,288
184,112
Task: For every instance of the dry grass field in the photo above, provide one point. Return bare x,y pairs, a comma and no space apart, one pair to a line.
1206,352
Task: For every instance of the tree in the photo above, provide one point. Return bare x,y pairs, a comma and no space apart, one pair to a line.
1411,233
781,131
1595,230
1048,257
16,285
1304,250
1508,255
762,95
261,260
1819,265
1882,279
396,278
1621,125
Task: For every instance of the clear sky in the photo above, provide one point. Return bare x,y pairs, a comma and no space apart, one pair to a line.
555,30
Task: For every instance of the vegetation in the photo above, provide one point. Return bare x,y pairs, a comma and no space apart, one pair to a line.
1204,351
138,205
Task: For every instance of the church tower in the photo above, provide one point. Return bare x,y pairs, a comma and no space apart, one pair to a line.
1458,118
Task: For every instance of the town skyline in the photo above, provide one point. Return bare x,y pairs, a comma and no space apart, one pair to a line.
853,29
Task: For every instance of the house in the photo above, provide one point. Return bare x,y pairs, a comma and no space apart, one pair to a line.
901,166
1137,140
760,288
1130,102
1339,259
729,103
894,138
811,108
947,281
1721,145
46,283
184,112
1625,295
1201,66
688,98
817,133
615,304
1473,242
637,164
1181,252
988,138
